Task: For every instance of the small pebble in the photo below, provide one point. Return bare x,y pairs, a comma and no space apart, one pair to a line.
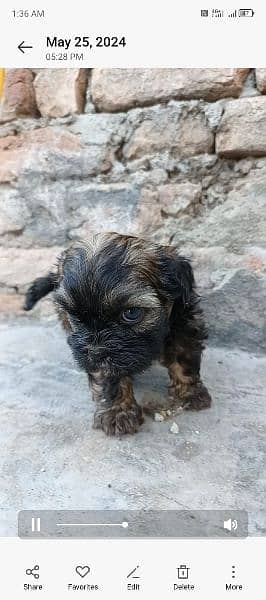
174,428
169,412
158,417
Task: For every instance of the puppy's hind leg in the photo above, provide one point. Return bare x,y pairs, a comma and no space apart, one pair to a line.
186,390
182,357
117,411
38,289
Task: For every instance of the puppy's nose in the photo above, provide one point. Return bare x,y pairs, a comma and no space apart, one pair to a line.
96,351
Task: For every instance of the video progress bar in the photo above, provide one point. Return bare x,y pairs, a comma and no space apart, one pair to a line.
124,524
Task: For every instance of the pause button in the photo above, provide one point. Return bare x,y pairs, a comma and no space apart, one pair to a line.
35,524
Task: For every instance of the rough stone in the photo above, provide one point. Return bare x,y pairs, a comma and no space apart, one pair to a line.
214,112
178,198
235,312
18,95
214,264
18,126
14,213
169,129
261,80
242,131
49,152
149,177
93,208
11,305
60,92
99,129
228,251
250,85
121,89
148,216
237,223
66,210
19,267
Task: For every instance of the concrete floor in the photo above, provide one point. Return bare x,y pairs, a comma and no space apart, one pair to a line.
50,457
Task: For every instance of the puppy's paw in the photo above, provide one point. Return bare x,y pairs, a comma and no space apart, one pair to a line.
117,420
193,397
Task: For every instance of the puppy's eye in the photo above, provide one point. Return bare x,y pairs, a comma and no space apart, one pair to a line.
132,315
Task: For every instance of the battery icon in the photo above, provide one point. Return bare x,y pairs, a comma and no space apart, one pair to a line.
246,12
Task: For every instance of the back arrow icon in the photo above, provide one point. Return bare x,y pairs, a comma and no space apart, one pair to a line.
21,47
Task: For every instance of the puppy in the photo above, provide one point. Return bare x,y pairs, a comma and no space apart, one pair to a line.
126,302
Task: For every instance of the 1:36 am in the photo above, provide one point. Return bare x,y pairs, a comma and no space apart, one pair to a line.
21,13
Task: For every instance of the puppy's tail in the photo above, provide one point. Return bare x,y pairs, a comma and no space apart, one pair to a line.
38,289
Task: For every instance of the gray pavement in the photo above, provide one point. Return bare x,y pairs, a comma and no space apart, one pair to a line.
50,457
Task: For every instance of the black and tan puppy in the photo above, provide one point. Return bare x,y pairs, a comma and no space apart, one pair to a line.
126,302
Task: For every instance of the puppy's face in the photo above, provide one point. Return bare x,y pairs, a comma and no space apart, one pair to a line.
117,293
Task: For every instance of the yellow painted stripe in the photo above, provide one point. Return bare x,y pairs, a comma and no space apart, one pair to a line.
2,74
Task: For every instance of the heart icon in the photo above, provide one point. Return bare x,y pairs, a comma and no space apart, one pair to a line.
82,571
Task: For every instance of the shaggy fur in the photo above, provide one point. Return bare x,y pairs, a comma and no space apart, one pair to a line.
126,302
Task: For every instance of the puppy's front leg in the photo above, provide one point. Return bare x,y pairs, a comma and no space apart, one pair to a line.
117,410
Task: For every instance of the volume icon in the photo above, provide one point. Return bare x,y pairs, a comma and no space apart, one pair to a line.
231,524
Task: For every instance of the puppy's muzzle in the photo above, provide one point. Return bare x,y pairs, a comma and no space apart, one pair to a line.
96,353
97,356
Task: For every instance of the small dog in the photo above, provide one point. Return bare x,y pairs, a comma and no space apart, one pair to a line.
126,302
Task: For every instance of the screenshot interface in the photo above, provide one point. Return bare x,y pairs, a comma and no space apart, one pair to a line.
132,300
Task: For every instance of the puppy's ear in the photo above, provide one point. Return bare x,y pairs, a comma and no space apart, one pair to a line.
176,276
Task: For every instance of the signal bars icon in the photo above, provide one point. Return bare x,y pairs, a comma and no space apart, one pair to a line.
35,524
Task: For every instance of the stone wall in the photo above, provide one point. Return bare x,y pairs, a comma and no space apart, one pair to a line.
175,154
